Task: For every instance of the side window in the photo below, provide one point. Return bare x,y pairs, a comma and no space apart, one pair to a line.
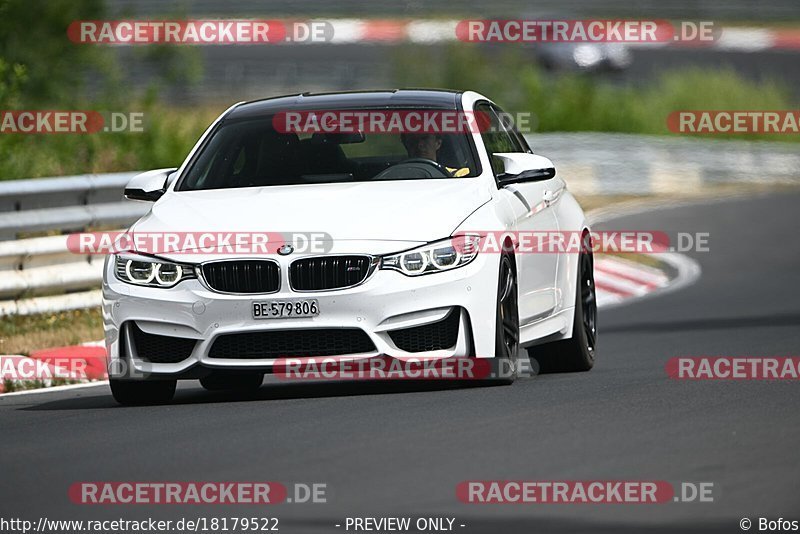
506,123
497,138
525,146
511,128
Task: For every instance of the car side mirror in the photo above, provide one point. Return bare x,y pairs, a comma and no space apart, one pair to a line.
521,167
149,186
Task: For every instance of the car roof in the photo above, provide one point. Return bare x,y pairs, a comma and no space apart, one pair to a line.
391,98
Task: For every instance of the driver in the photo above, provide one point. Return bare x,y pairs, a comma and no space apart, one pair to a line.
427,145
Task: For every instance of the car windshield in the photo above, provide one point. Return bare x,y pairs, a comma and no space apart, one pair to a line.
253,153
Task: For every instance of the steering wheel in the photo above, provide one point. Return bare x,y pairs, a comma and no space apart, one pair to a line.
419,168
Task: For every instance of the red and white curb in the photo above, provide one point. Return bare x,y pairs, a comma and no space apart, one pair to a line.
57,362
618,279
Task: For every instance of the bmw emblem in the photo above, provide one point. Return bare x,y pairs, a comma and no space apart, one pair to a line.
285,250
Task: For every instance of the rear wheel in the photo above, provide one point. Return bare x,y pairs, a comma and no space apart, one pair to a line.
577,353
221,381
507,323
135,393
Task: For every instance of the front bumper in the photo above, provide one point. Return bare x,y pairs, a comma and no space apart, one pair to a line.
386,302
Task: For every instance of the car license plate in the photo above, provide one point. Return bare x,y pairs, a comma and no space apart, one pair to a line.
285,309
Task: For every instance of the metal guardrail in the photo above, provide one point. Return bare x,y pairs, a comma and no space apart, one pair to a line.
627,164
40,275
68,203
16,195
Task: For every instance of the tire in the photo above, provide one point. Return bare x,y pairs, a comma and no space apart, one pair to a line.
577,353
141,392
232,381
506,338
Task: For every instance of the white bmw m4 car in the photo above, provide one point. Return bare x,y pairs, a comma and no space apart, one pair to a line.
388,247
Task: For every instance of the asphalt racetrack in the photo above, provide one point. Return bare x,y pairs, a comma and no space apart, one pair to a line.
401,449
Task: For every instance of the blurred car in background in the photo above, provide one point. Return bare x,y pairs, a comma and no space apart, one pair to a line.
596,57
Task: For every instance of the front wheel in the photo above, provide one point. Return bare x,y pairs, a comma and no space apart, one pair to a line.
507,323
577,353
141,392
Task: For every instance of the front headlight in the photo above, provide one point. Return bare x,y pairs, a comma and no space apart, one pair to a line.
435,257
144,271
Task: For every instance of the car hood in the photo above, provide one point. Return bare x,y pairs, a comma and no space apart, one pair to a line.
419,210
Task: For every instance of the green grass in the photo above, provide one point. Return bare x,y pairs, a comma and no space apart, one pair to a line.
23,334
567,103
583,101
168,136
